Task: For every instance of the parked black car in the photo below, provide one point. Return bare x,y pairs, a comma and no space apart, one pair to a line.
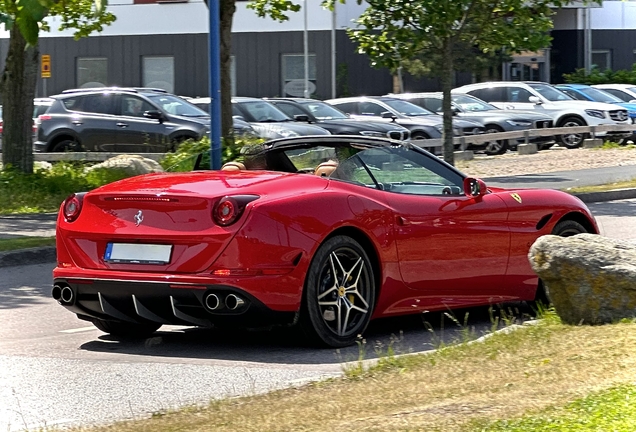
336,121
267,120
120,120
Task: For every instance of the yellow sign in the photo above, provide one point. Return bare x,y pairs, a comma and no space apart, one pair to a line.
516,197
46,66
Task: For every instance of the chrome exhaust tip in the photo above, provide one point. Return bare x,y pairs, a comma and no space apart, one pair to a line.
233,302
67,295
56,292
212,302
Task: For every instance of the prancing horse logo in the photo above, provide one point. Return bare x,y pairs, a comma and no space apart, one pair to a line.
516,197
139,217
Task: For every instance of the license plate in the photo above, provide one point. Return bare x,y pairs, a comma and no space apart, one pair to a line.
138,253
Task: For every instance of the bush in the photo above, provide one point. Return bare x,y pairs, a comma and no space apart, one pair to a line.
596,76
184,158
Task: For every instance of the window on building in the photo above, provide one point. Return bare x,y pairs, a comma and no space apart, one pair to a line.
293,67
158,72
602,59
92,72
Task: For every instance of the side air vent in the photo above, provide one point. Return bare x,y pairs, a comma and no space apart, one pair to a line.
543,221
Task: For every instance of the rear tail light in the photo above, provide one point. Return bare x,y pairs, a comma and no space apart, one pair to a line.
73,206
230,208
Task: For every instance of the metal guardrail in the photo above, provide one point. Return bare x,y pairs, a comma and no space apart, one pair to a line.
464,141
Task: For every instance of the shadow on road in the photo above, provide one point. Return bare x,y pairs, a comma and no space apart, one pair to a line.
409,334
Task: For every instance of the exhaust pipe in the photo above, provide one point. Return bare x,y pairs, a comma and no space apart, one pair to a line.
212,302
67,295
233,302
56,292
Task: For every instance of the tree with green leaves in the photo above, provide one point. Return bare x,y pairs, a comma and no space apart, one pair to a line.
274,9
25,19
444,35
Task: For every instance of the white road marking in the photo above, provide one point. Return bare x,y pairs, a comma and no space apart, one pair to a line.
78,330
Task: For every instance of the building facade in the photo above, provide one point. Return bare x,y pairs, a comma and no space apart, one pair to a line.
159,43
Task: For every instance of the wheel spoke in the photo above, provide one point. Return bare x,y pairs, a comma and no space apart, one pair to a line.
333,257
330,290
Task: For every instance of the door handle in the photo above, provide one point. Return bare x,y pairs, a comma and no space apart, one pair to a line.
77,122
122,125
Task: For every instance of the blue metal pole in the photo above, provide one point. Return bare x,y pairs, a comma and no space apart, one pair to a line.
214,43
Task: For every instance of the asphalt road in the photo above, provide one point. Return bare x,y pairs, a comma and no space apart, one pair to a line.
58,370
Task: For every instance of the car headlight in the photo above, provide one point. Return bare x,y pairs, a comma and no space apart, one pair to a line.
595,113
286,133
372,133
520,123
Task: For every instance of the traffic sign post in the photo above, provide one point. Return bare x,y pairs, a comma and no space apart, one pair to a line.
45,70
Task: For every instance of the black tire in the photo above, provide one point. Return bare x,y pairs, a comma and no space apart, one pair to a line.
572,140
126,330
546,146
66,145
564,228
495,147
336,311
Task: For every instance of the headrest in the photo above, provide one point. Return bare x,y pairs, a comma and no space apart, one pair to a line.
233,166
326,168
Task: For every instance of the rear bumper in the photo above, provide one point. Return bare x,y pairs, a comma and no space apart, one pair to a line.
139,302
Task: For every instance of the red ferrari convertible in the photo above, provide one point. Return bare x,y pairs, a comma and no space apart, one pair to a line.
322,232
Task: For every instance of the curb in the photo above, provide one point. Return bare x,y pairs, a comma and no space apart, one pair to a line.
39,255
47,254
611,195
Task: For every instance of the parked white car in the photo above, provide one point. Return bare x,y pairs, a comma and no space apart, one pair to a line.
545,98
625,92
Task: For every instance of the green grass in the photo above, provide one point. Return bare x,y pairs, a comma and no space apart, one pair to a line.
610,410
25,242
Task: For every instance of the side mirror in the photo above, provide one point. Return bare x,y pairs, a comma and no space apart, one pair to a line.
301,117
388,115
632,101
154,114
535,100
474,187
238,117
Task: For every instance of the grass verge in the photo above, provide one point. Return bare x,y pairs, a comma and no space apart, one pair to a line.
603,188
550,372
25,242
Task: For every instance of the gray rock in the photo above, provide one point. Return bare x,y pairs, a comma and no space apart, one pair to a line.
131,165
590,279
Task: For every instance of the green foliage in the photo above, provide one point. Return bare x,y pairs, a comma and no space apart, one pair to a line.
596,76
185,156
275,9
610,410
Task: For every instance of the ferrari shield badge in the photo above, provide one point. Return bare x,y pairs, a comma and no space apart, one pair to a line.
516,197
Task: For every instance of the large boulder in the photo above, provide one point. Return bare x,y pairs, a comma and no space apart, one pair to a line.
128,165
589,278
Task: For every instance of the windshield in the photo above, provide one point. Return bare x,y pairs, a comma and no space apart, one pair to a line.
550,93
177,106
261,111
471,104
407,108
599,95
323,111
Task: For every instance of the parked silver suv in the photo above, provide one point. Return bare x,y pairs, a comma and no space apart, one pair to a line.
545,98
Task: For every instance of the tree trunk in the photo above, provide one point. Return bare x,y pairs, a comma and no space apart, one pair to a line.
18,90
227,9
447,84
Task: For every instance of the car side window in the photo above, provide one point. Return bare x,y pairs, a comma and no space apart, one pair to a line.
133,106
97,104
290,109
618,93
371,109
517,94
432,104
348,107
494,94
573,94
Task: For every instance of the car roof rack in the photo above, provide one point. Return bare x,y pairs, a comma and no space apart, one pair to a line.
105,89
